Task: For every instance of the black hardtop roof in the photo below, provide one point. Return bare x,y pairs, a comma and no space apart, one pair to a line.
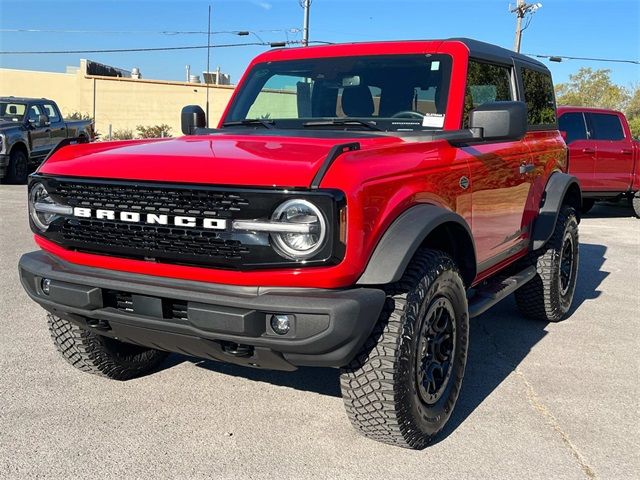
24,99
488,51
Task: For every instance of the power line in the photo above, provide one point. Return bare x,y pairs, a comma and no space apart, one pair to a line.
559,58
145,32
150,49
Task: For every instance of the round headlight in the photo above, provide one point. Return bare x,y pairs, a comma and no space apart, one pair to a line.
307,242
41,219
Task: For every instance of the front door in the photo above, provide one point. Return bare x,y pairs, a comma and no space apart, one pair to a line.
40,136
582,151
499,174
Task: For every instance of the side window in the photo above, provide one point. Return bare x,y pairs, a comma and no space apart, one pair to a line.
34,112
540,98
574,125
605,126
486,83
50,112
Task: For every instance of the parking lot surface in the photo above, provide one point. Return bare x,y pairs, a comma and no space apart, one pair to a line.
538,401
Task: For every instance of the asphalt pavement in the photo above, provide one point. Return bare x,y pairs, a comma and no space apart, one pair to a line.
540,401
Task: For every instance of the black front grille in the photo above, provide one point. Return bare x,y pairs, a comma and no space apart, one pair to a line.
157,241
197,245
145,199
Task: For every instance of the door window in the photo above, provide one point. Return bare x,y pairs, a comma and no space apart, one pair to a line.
486,83
540,98
605,126
34,112
51,112
574,125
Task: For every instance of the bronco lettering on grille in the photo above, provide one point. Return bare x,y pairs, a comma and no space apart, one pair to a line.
151,218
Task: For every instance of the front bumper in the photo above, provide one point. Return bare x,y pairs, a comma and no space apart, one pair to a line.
220,322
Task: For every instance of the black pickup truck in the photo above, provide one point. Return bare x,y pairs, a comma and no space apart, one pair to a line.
29,129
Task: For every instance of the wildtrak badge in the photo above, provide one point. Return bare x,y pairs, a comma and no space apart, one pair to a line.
151,218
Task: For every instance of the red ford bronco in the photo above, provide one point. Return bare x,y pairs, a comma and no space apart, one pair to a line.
355,207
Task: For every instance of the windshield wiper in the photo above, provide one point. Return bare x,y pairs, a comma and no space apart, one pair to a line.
340,122
247,122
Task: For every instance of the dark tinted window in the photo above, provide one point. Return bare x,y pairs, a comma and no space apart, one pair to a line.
540,98
605,127
573,124
486,83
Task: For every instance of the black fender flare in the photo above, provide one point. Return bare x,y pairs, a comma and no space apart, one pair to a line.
561,188
407,233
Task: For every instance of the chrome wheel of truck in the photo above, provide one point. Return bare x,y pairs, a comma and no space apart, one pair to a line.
635,203
402,387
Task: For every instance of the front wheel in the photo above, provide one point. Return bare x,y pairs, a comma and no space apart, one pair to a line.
548,295
402,387
101,355
18,168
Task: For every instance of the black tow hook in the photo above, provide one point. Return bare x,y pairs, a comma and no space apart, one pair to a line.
98,324
237,350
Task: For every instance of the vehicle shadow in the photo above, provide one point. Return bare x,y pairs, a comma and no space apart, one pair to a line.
499,340
610,209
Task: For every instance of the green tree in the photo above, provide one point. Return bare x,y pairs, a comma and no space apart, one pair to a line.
154,131
592,88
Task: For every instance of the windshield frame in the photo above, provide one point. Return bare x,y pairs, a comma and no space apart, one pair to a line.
251,86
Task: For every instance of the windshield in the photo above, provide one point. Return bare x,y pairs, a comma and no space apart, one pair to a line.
12,112
385,92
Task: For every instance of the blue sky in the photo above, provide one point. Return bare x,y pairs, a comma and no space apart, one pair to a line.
585,28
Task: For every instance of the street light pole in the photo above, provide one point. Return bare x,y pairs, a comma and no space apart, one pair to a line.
305,26
208,62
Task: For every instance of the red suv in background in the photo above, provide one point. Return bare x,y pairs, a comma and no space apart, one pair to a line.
602,154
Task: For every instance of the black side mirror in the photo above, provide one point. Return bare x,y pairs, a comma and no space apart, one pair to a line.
43,121
192,117
500,120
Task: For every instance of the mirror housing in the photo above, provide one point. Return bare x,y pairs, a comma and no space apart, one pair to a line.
192,117
500,121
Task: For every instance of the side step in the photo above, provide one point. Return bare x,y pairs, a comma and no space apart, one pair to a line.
487,295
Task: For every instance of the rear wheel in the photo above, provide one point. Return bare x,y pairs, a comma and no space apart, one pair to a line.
17,170
101,355
402,387
548,296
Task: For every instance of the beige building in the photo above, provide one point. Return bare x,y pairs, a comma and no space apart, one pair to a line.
119,102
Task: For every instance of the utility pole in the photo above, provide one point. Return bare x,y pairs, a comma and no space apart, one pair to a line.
305,4
521,10
208,60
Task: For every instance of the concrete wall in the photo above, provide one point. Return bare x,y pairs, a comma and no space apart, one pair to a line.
122,103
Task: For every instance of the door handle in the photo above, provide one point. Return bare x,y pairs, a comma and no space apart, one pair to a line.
527,168
588,150
626,151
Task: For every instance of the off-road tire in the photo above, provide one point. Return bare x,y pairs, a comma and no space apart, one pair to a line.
380,388
101,355
18,168
587,205
544,297
635,204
